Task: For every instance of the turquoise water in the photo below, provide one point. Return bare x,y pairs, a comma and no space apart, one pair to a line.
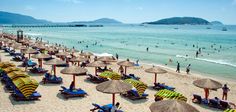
164,42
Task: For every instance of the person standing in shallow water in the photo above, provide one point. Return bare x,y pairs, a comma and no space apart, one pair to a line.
178,67
147,49
225,92
117,56
188,69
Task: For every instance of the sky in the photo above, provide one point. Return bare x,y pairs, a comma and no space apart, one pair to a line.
127,11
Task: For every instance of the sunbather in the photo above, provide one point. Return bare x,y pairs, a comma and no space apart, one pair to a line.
72,86
115,108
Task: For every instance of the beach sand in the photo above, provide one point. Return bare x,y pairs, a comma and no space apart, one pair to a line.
52,101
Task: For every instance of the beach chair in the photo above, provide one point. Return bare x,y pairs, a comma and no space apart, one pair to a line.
48,78
29,63
6,49
67,93
133,95
213,103
198,99
130,76
38,70
96,79
159,86
224,105
63,65
18,96
18,58
47,59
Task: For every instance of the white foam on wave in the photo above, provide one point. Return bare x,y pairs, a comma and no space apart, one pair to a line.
33,34
222,62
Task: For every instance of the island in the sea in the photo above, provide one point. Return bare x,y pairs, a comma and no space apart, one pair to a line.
180,21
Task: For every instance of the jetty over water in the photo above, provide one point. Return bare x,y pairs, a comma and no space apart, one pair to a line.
52,25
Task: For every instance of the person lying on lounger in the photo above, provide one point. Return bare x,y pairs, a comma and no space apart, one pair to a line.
72,86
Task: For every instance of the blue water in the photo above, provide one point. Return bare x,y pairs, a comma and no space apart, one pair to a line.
164,42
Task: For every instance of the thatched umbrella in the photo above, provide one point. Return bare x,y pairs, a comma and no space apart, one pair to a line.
40,58
29,51
106,59
55,62
156,70
172,106
207,84
78,59
113,87
97,64
126,64
74,70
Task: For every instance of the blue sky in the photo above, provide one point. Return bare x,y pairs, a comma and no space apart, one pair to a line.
128,11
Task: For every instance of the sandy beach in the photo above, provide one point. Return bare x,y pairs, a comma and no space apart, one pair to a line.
52,101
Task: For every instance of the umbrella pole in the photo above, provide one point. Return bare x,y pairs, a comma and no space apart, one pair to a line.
125,70
29,55
54,67
113,99
41,63
155,78
78,63
96,71
74,79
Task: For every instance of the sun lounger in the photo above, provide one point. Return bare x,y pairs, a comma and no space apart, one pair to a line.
38,70
96,79
20,97
159,86
18,58
130,76
198,99
224,105
6,49
51,79
74,93
29,63
133,95
64,65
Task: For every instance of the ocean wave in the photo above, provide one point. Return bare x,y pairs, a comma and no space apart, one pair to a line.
222,62
33,34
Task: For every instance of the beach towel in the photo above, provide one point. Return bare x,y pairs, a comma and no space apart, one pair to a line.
170,95
110,75
140,86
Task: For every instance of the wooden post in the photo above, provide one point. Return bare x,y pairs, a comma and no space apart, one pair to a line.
113,99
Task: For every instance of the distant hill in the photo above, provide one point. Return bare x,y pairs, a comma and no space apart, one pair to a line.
180,21
13,18
216,23
101,21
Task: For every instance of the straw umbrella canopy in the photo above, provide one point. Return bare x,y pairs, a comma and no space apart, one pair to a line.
172,106
29,51
97,64
126,64
55,62
40,58
78,59
156,70
106,59
207,84
74,70
62,54
113,87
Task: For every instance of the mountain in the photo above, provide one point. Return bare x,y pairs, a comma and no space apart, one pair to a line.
13,18
216,23
180,21
100,21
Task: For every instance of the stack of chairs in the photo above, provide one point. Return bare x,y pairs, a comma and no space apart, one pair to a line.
138,92
169,95
20,85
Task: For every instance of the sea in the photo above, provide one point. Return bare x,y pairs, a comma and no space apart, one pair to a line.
166,44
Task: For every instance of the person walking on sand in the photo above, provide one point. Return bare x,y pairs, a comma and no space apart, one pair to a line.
225,92
188,69
197,53
117,56
178,67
